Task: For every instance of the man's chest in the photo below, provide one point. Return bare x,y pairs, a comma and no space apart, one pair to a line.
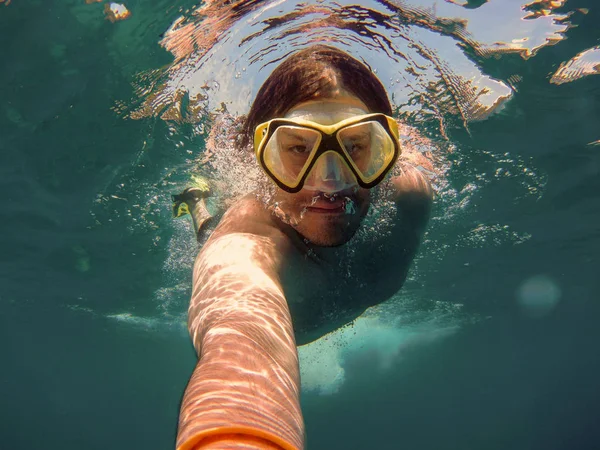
324,295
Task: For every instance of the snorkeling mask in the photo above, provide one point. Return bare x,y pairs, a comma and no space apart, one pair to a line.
312,148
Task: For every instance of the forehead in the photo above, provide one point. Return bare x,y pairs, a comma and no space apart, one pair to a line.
328,111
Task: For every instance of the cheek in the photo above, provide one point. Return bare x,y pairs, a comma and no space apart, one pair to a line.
363,161
285,198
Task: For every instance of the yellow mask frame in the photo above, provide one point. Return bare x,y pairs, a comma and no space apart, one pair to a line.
330,141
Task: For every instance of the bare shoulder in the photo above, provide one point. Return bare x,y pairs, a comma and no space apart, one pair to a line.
247,232
249,216
411,185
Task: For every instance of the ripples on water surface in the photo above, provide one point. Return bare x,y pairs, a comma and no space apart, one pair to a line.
492,341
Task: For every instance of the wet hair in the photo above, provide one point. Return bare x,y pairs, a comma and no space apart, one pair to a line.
309,74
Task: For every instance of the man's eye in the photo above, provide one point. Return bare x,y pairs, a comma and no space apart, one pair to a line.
356,146
297,149
357,143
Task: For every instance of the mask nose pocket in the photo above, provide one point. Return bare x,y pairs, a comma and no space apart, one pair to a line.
329,167
330,174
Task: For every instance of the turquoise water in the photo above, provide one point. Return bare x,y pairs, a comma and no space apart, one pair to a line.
492,343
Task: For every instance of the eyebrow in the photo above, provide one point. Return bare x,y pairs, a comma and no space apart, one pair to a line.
359,134
293,135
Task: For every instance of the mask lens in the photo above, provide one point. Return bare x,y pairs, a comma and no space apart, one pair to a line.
369,147
288,152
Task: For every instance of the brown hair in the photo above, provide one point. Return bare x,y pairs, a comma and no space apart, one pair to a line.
315,72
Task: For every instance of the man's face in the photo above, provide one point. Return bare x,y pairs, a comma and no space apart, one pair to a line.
324,215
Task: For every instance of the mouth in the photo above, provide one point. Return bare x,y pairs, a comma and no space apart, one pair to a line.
319,210
323,204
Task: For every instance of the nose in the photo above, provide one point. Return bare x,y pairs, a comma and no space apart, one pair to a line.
330,174
331,169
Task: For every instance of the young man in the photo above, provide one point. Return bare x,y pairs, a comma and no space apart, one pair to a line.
276,274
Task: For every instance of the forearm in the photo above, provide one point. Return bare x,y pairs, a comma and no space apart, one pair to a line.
239,388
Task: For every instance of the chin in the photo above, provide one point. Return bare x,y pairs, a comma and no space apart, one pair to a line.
332,233
329,242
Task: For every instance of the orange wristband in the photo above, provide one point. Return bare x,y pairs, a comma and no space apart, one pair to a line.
236,434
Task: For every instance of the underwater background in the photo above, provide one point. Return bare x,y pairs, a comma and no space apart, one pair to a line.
493,341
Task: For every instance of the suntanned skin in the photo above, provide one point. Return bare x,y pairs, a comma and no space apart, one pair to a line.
273,277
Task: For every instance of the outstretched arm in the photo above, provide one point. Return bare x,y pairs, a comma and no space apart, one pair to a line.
244,392
412,195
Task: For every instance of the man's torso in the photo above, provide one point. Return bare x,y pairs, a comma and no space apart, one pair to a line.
329,288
